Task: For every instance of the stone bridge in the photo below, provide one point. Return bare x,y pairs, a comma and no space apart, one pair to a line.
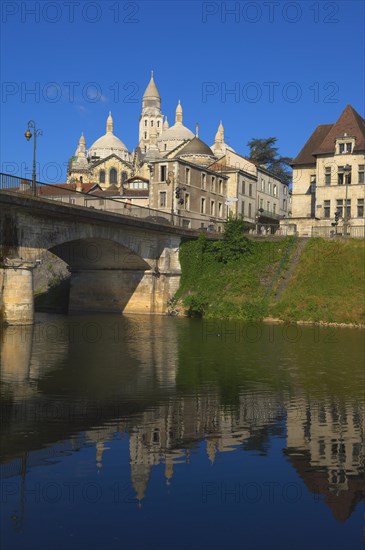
117,263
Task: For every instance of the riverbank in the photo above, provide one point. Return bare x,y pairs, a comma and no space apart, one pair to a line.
312,281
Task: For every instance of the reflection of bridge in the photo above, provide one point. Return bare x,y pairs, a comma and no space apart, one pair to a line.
117,263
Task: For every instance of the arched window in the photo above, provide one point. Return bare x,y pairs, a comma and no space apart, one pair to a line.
113,176
124,177
102,176
275,190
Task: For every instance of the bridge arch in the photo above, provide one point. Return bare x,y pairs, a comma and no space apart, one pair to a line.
97,253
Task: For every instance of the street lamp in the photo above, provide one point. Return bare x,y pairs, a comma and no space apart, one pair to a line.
28,135
258,215
347,172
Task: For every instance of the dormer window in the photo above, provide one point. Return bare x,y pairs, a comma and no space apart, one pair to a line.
345,148
345,145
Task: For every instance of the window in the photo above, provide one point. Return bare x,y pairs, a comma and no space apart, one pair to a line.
124,177
101,202
269,187
361,173
343,176
250,190
274,208
262,203
327,209
213,184
327,175
203,181
220,209
275,190
284,205
243,208
202,205
187,201
165,146
158,124
162,198
186,223
102,176
212,208
262,184
249,210
72,201
220,186
151,123
187,175
243,188
268,206
360,208
113,176
145,122
345,148
163,173
145,149
285,190
145,135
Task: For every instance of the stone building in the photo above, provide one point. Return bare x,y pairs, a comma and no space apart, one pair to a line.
178,173
253,192
329,177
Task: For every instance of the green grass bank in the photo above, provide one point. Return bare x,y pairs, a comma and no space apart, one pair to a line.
242,279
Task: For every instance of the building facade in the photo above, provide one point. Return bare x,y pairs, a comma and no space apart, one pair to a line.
329,178
178,173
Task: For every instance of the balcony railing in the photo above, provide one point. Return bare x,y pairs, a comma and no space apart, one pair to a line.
329,232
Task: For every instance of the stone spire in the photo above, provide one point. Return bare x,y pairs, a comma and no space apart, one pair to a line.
197,130
219,137
109,123
150,115
179,113
151,91
81,149
166,124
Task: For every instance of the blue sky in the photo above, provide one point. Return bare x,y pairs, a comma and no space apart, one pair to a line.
292,65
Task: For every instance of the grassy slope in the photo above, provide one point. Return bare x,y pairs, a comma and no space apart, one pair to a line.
237,289
328,284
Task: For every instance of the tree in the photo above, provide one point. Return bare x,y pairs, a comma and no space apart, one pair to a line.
263,151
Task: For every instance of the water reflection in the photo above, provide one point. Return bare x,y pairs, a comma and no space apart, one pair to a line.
176,390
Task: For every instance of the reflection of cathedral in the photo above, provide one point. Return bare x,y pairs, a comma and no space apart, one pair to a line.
324,438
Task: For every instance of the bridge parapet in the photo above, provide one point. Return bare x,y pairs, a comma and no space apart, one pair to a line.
117,264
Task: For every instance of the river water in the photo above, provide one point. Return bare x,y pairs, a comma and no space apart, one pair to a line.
146,432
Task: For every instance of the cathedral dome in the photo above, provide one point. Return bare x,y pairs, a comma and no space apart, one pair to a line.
108,144
175,135
177,132
197,151
196,147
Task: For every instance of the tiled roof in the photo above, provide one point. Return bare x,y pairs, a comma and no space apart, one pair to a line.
323,139
306,154
351,123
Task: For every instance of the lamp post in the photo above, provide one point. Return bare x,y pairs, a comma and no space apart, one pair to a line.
28,134
347,172
258,215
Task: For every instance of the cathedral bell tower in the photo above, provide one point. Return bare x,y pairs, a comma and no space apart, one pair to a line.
151,117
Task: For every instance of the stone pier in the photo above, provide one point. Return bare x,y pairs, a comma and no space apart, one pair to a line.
16,297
